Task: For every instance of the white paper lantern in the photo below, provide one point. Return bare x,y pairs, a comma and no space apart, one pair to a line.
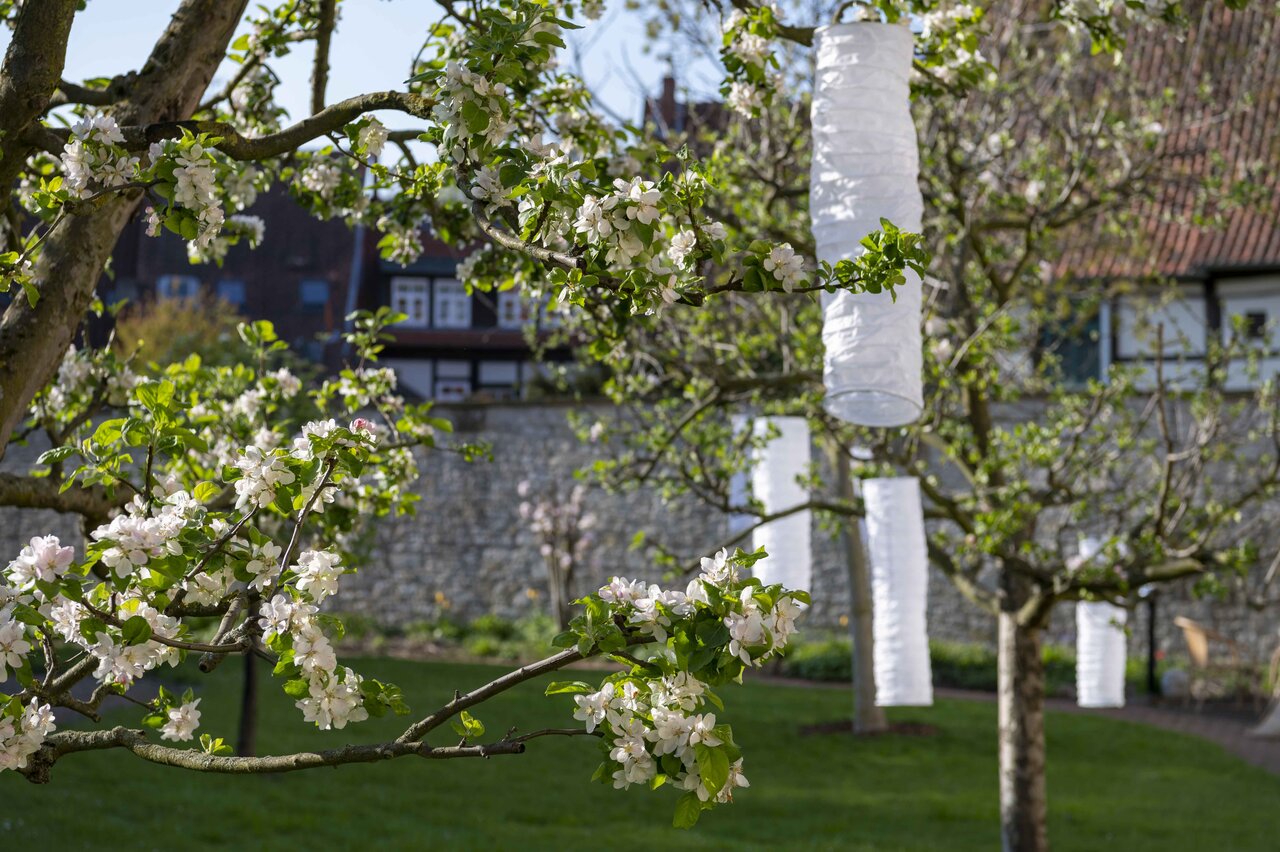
773,482
739,489
899,590
865,166
1100,646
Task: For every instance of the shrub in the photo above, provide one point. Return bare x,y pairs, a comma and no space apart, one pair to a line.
959,665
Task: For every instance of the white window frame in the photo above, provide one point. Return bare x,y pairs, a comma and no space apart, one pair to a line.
451,305
416,293
512,310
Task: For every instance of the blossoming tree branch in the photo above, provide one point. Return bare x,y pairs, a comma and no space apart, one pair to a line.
242,495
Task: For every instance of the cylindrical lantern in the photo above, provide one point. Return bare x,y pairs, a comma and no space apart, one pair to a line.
899,591
865,166
773,482
739,492
1100,644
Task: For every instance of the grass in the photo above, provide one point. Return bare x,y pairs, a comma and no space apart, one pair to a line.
1111,785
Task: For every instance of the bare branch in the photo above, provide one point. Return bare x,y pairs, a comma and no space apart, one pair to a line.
69,742
30,492
423,727
324,35
236,146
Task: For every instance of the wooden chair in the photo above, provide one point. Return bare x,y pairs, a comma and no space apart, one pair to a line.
1210,674
1269,726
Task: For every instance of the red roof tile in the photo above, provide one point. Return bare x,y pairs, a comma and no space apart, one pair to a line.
1239,52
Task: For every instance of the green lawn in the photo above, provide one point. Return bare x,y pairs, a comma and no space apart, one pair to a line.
1111,785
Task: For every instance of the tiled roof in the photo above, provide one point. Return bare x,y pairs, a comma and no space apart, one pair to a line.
1240,53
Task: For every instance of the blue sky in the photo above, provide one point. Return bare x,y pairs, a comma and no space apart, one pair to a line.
375,42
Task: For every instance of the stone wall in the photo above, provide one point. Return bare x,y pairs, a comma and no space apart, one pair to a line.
467,551
18,526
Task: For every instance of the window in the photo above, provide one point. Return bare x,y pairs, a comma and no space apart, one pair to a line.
548,318
1250,305
1255,325
500,379
452,307
313,293
177,287
1182,322
231,291
409,296
453,381
1076,344
413,374
511,310
503,374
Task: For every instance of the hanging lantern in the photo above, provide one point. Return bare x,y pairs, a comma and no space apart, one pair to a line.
773,482
1100,646
739,492
899,591
865,166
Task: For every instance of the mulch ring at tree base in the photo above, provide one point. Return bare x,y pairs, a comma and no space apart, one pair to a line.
845,726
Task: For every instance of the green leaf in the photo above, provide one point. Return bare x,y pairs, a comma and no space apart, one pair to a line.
713,766
568,687
108,431
135,631
688,809
566,639
476,119
32,291
206,491
298,688
55,455
214,746
549,38
468,726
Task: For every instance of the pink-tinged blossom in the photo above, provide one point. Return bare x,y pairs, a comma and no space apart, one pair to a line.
44,559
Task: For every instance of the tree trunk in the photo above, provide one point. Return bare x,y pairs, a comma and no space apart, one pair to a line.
1023,804
247,740
558,579
168,88
867,717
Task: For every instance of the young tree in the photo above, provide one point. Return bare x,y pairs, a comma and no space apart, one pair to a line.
563,528
1025,156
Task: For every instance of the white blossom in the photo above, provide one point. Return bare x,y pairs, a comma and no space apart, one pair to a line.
332,703
182,722
263,473
785,264
372,137
592,708
744,97
13,646
682,244
318,573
